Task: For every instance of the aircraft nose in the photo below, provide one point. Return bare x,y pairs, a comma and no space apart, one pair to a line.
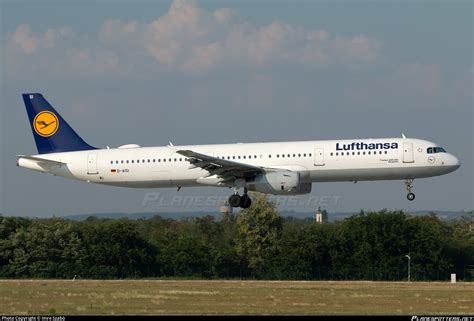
454,162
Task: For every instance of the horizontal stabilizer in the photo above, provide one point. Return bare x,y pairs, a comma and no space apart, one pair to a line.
41,160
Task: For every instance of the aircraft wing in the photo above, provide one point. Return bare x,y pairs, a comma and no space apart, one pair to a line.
224,168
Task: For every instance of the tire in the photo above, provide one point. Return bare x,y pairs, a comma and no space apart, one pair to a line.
234,200
410,196
245,202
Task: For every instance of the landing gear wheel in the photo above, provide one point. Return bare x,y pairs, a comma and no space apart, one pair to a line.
234,200
408,187
245,201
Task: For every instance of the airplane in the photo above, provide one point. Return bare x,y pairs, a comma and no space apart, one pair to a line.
278,168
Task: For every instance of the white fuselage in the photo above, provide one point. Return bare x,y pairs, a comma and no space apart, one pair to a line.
315,161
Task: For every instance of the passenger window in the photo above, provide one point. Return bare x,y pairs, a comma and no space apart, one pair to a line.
304,155
337,154
299,155
269,156
331,154
363,153
353,153
386,152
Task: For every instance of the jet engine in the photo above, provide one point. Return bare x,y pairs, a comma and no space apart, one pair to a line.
279,183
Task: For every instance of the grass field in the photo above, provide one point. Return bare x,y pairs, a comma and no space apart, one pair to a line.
64,297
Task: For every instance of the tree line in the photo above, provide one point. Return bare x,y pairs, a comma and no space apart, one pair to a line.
255,244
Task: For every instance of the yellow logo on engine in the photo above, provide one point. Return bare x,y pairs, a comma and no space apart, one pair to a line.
46,123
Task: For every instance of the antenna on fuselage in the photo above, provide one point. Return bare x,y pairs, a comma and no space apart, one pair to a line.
403,135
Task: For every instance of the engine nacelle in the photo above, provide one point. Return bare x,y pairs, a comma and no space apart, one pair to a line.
279,183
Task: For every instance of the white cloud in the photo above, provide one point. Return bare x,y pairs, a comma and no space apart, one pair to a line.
190,39
359,49
224,14
86,60
193,40
25,42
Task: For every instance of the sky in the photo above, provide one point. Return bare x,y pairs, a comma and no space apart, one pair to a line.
199,72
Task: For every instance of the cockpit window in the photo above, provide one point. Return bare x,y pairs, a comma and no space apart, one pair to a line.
434,150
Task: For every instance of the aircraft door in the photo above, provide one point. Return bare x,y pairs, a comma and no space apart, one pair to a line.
408,153
318,156
92,164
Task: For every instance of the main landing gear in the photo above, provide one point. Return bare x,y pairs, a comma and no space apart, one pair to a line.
243,201
408,187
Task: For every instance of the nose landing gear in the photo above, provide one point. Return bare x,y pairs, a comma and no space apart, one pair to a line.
408,187
243,201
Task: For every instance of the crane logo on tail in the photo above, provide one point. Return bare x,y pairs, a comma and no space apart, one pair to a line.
46,123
